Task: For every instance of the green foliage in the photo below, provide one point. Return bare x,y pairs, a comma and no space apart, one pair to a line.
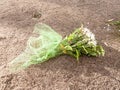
81,44
115,23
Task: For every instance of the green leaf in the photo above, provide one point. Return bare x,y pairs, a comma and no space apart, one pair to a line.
101,50
68,48
77,55
85,50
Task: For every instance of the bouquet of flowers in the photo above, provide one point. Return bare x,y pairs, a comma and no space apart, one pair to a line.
50,44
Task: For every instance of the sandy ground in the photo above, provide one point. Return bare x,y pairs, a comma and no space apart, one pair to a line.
17,20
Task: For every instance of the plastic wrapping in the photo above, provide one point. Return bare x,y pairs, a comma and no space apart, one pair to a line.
39,49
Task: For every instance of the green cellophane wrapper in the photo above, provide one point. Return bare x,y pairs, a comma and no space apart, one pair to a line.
39,49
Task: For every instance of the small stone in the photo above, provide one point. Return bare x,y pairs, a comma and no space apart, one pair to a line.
2,36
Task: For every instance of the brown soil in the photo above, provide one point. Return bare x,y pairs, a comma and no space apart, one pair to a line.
17,19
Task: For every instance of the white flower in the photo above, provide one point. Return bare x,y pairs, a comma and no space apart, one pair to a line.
90,35
92,42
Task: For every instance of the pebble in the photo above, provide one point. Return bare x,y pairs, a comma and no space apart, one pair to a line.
2,36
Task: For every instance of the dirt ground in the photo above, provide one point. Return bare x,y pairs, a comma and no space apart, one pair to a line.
17,20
